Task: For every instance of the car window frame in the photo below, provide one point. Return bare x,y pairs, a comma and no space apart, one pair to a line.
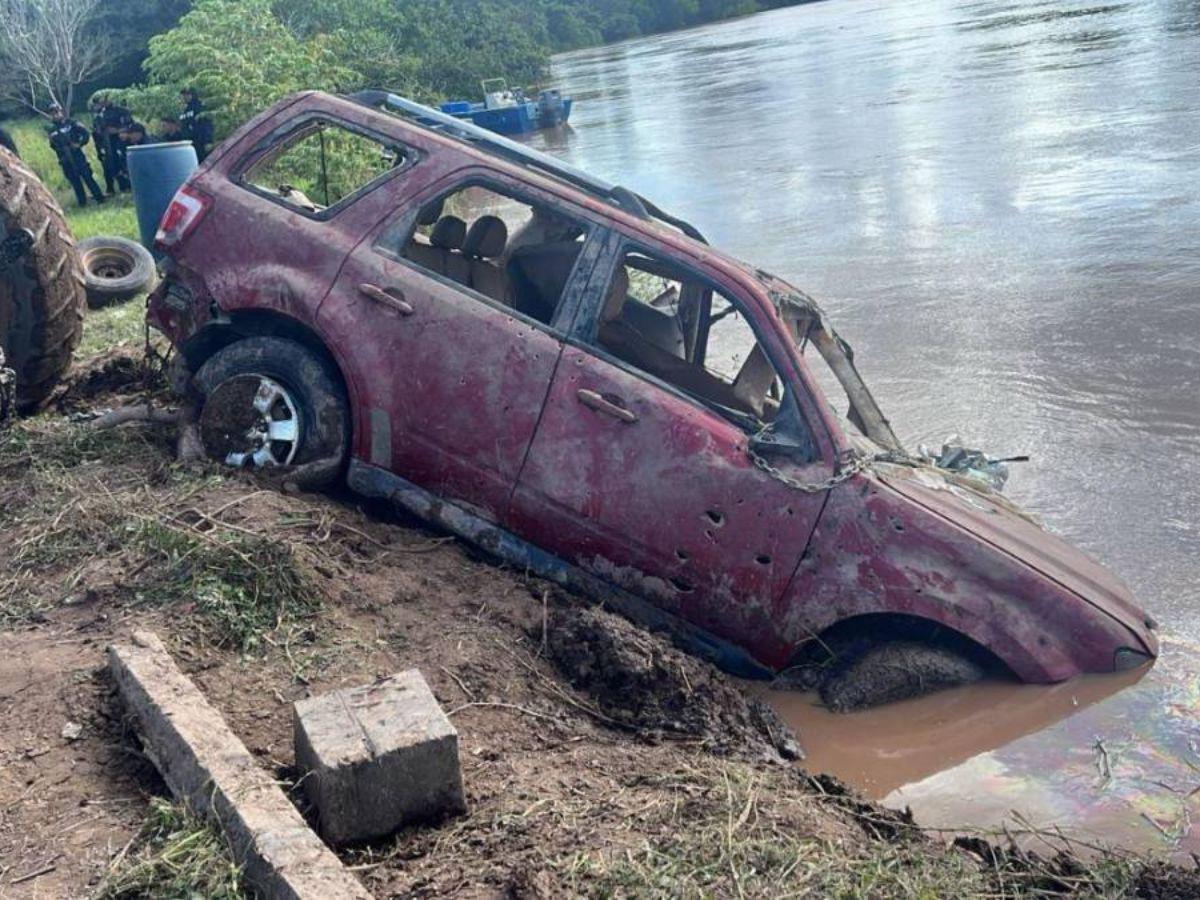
285,132
405,221
585,330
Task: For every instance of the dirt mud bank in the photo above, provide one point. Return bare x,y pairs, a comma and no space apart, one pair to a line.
597,759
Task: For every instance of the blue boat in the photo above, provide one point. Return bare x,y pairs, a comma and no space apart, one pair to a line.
509,111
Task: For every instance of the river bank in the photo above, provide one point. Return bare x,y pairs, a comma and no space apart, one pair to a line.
265,597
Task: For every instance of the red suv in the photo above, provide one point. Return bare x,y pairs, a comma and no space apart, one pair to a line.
555,369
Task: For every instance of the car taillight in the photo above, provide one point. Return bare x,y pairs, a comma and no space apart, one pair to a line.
187,208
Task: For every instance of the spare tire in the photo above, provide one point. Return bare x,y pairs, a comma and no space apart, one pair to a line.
115,269
42,300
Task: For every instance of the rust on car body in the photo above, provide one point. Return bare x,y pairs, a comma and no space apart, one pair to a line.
528,437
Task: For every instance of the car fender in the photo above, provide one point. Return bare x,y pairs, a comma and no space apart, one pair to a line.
876,551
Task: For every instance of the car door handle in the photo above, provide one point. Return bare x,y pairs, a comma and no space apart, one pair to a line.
394,301
597,402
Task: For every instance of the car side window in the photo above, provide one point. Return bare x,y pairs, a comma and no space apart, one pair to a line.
666,322
516,252
321,164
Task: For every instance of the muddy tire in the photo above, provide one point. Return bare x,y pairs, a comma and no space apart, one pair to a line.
273,404
895,670
42,300
115,269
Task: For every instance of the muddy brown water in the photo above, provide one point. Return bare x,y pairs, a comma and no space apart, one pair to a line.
997,202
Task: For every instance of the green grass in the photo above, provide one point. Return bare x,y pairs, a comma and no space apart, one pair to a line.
102,329
177,856
116,217
244,586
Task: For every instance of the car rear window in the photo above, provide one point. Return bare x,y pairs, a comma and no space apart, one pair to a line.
322,163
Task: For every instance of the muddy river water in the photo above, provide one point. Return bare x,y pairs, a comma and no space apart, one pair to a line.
999,204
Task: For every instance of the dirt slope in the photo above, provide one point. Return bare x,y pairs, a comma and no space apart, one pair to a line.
597,760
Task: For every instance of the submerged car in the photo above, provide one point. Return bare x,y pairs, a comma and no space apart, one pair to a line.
554,368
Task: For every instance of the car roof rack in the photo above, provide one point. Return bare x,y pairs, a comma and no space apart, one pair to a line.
436,120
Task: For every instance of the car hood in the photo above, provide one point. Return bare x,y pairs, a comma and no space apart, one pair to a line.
997,521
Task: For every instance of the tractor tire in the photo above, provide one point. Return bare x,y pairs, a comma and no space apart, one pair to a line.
42,300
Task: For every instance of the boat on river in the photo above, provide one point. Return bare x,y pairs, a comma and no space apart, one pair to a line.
509,111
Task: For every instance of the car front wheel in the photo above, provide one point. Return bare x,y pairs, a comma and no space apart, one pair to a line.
895,670
272,403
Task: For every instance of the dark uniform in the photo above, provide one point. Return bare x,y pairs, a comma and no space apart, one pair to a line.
135,135
100,143
112,119
168,130
194,126
67,138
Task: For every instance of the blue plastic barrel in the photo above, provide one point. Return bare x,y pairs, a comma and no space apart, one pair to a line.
156,172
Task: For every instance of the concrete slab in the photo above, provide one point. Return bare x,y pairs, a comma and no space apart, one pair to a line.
205,765
378,758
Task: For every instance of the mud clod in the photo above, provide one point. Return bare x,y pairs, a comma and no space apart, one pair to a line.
642,681
120,372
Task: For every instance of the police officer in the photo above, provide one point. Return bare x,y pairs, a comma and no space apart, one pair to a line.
134,135
111,119
67,139
194,126
100,139
168,130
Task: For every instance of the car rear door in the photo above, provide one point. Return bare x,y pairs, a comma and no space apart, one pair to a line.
449,384
642,484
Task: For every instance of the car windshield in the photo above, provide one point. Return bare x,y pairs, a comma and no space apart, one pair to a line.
831,361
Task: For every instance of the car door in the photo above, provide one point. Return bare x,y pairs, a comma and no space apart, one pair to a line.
449,383
643,484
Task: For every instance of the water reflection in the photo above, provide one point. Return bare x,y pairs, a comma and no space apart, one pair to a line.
883,749
1122,773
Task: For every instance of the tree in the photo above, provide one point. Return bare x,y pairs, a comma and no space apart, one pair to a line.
48,48
239,58
129,25
431,49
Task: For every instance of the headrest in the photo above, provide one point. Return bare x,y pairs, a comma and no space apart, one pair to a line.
618,291
487,238
449,233
430,212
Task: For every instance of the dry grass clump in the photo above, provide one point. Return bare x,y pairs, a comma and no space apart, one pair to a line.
735,830
111,513
175,855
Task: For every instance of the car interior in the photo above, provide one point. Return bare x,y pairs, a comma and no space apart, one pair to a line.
669,324
655,317
517,254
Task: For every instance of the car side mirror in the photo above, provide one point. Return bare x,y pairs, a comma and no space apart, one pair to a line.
768,444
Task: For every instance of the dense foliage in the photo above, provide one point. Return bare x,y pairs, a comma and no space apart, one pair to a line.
242,54
239,57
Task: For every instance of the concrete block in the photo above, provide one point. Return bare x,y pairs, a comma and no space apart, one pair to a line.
378,758
206,766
